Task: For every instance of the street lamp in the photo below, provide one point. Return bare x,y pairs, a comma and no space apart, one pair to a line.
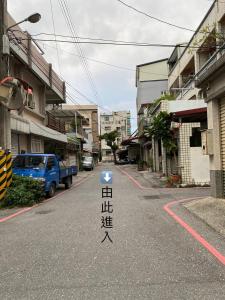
34,18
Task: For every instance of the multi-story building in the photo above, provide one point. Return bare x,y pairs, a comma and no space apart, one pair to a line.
32,128
119,121
151,83
196,73
91,126
76,134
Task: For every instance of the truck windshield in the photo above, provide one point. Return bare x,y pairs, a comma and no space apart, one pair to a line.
28,162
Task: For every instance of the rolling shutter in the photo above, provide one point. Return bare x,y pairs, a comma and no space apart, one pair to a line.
222,138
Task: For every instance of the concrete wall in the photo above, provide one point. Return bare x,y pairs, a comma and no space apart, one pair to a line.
199,166
148,91
193,165
153,71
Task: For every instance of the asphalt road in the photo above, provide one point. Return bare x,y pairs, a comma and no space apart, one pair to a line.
55,252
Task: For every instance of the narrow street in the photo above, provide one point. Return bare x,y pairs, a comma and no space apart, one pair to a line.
54,251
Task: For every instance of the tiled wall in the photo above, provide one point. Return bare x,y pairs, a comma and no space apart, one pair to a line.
184,157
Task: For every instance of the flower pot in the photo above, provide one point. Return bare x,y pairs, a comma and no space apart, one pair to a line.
175,178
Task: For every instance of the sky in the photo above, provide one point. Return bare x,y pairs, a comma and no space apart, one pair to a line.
110,87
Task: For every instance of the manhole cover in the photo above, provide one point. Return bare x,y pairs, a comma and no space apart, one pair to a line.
44,212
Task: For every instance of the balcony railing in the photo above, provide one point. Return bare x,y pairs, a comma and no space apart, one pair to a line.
220,52
29,51
54,123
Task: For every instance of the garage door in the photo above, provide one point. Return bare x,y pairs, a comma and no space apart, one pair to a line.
222,134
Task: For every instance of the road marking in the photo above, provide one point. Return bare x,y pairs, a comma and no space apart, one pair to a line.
187,227
134,180
193,232
24,210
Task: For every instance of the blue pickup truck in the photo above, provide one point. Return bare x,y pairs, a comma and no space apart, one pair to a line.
45,167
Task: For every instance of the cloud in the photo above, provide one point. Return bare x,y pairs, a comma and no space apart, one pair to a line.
111,20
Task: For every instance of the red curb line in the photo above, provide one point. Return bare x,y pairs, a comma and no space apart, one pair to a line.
24,210
134,180
194,233
187,227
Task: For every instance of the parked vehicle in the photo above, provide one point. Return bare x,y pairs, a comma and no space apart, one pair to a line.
45,167
124,161
88,163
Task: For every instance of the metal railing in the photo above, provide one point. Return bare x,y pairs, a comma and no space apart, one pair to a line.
54,123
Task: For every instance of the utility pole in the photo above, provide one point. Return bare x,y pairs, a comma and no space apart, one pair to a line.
5,128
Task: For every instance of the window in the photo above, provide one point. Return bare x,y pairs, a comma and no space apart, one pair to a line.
196,139
26,161
107,128
106,118
36,146
51,162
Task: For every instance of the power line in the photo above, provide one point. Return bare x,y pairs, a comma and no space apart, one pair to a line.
124,44
112,65
154,18
72,29
53,23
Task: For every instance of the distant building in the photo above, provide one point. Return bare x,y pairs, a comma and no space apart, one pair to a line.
119,121
91,126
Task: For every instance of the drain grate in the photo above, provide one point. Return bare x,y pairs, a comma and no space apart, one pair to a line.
44,212
151,197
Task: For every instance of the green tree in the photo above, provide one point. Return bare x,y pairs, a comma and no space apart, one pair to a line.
110,138
160,129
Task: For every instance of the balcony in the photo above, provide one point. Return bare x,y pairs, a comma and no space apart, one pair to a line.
54,123
30,53
211,66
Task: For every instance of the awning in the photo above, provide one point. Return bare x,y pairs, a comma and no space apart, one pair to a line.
46,132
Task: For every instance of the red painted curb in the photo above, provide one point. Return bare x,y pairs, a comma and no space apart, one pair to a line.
193,232
187,227
134,180
24,210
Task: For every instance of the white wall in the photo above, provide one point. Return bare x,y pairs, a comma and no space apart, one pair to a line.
199,166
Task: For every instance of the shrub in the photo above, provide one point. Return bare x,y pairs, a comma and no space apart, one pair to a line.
24,191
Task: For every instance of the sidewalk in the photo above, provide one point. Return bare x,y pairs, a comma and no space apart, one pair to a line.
210,210
146,178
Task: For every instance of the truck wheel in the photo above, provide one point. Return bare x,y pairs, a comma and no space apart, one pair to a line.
52,190
68,183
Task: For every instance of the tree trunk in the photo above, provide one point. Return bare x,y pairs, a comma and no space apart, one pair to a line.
114,156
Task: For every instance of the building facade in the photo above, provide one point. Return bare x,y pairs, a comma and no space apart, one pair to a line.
90,126
151,83
117,121
197,73
32,128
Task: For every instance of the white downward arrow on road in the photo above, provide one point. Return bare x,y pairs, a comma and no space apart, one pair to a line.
107,177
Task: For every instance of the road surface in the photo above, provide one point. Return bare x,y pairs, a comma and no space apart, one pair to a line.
54,251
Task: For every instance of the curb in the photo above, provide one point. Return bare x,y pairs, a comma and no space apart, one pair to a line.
181,222
192,231
134,180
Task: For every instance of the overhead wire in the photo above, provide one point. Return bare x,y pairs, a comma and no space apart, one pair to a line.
124,44
154,18
71,26
53,23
